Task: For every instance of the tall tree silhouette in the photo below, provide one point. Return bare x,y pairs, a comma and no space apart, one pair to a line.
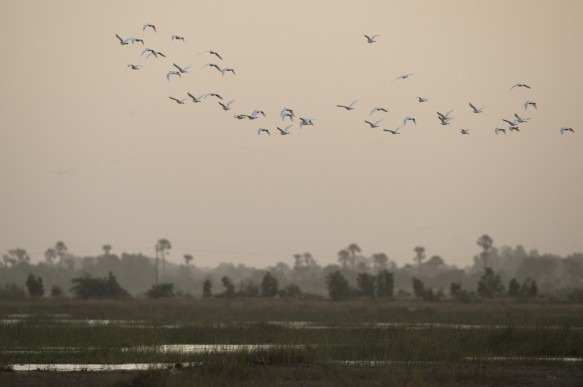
162,247
50,255
485,242
343,257
106,249
61,249
419,254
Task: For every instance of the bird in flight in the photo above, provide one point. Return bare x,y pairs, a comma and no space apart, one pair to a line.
284,131
372,38
513,129
520,85
178,101
134,66
377,109
256,112
306,122
526,103
183,70
212,53
564,129
197,99
287,112
262,130
477,110
177,37
227,69
403,76
149,26
172,72
464,131
373,124
349,107
211,65
124,42
393,131
152,52
421,99
407,119
520,120
445,118
498,130
226,106
214,95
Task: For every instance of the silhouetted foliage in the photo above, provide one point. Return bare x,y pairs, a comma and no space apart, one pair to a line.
338,288
35,286
385,284
366,284
163,290
269,285
229,287
88,287
207,288
425,294
490,285
56,291
461,295
291,291
248,288
12,292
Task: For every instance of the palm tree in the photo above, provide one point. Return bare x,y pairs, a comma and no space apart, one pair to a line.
106,249
485,242
163,246
298,260
309,260
420,254
50,255
187,258
353,248
380,261
343,257
60,249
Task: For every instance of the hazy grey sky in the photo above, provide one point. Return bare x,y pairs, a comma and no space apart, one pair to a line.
92,152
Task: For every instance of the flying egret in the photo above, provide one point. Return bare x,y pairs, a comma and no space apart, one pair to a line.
349,107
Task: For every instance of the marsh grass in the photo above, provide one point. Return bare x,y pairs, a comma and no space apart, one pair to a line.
347,331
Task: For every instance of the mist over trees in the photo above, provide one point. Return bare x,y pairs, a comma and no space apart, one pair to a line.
495,272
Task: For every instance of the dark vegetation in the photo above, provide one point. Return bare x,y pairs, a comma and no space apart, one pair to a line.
510,273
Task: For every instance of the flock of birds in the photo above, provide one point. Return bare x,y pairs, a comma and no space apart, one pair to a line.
513,124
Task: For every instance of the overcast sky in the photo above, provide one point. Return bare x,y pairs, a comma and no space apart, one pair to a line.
93,153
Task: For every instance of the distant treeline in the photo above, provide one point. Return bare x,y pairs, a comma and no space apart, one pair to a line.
496,272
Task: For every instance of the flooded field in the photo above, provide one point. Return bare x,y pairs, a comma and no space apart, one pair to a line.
198,336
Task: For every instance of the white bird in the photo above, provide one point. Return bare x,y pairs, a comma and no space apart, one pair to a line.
372,38
212,53
284,131
477,110
514,129
403,76
256,112
406,119
262,130
287,112
179,101
134,66
197,99
393,131
498,130
212,65
306,122
377,109
565,129
349,107
373,124
177,37
464,131
520,85
421,99
213,95
152,52
227,69
149,26
183,70
240,116
135,40
520,120
172,72
124,42
526,103
226,106
445,118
